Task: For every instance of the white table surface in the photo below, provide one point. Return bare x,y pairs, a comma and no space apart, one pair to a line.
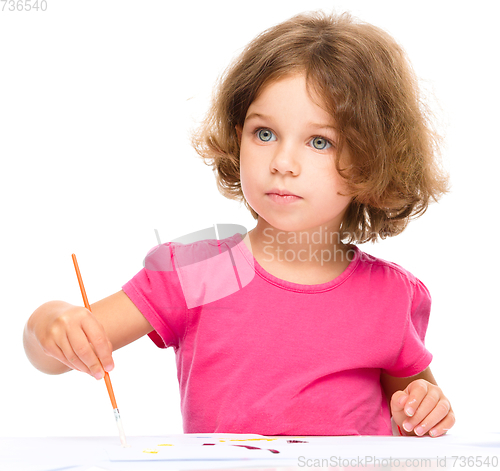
100,453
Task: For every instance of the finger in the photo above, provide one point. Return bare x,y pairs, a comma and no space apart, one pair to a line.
416,391
398,402
426,406
96,335
56,352
442,427
437,414
72,359
83,350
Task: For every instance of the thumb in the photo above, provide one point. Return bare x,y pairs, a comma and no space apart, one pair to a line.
398,402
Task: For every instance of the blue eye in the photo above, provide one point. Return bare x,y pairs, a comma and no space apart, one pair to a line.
320,143
265,135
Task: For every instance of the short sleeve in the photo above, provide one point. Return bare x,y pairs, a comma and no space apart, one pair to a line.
156,292
413,356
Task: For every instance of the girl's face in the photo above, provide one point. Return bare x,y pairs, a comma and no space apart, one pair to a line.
288,143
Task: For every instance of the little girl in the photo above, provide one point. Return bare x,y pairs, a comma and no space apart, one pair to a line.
290,329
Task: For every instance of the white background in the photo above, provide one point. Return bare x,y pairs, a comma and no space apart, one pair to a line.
97,100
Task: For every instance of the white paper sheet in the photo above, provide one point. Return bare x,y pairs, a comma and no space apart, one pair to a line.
220,446
233,447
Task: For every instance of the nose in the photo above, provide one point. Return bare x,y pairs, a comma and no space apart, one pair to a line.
285,159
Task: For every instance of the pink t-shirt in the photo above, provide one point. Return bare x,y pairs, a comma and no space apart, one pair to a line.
257,354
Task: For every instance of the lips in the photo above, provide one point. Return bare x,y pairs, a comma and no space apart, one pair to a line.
277,191
283,197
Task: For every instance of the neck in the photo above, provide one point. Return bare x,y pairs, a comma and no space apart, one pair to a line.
308,248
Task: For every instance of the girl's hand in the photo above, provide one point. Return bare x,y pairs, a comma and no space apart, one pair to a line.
422,408
72,335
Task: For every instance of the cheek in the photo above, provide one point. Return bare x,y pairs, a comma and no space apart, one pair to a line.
249,167
247,174
331,187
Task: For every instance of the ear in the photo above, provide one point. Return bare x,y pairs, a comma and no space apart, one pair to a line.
239,131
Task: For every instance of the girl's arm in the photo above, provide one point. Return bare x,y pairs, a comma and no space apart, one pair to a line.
59,337
417,404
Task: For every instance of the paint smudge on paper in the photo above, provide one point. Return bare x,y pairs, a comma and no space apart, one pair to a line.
252,439
256,448
249,447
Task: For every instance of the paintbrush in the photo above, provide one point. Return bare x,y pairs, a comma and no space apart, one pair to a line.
106,374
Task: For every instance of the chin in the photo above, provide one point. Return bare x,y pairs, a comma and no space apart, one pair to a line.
287,223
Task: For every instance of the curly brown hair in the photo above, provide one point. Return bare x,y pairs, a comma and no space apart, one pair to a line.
370,89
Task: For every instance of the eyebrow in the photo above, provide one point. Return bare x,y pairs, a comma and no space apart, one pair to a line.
316,125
